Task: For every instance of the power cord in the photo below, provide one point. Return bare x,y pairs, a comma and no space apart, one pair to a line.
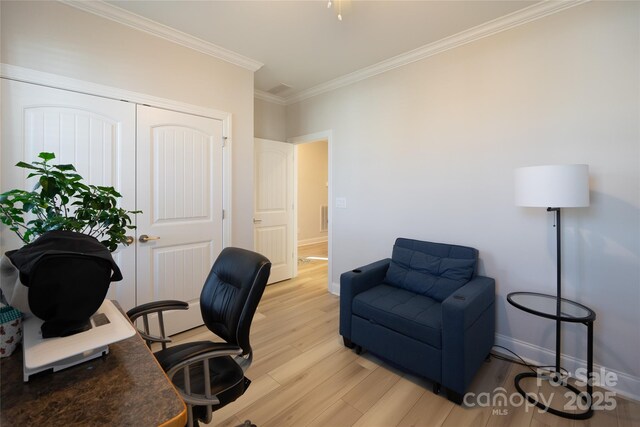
549,368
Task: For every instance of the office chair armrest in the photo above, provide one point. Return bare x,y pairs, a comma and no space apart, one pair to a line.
155,306
189,353
184,356
144,310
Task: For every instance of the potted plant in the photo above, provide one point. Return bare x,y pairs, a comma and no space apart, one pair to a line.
62,273
61,201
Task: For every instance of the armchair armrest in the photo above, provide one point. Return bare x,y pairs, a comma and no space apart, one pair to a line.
354,282
144,310
468,330
466,304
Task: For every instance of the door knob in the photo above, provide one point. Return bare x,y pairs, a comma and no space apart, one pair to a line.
144,238
129,240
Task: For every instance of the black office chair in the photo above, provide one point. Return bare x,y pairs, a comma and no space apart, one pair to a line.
212,373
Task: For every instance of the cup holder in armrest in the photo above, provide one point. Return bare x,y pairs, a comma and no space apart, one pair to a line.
357,270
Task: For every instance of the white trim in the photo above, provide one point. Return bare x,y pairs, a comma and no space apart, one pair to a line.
140,23
334,288
266,96
628,385
520,17
314,137
313,241
227,221
28,75
295,210
515,19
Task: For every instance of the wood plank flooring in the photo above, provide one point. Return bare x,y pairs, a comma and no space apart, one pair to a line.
303,376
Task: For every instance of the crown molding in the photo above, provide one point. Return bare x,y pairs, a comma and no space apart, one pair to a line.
512,20
28,75
137,22
266,96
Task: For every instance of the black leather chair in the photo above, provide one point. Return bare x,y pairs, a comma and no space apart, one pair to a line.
208,374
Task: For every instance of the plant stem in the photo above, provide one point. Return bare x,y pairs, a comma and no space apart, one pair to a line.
14,223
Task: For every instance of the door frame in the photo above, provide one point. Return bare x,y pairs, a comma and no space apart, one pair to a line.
27,75
303,139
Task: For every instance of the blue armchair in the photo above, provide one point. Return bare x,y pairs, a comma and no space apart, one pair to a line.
425,310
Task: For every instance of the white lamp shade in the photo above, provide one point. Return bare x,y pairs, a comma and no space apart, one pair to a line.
553,186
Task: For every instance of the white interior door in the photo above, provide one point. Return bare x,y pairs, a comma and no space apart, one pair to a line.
273,206
95,134
179,184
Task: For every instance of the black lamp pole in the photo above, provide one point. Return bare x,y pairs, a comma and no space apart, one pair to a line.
559,288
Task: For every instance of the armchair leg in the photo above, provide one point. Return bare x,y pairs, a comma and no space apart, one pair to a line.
436,388
455,397
358,349
347,342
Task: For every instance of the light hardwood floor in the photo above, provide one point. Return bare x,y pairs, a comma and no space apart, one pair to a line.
303,376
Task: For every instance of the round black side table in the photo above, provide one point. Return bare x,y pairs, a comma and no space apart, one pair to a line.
560,310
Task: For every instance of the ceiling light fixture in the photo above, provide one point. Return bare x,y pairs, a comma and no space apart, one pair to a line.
339,7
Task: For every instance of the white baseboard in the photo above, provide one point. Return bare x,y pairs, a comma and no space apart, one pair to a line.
312,241
627,385
334,288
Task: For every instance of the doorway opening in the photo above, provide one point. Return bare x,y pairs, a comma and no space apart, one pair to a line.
312,207
312,193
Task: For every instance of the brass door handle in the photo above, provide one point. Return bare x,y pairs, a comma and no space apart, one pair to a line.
144,238
129,240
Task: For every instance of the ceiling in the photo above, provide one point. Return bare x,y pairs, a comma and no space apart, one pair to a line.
302,44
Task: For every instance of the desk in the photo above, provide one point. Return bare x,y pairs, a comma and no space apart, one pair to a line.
127,387
560,310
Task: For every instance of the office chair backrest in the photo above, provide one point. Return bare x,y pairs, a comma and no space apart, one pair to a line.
231,294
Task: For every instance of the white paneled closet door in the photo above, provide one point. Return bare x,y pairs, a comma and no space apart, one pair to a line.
179,184
273,206
95,134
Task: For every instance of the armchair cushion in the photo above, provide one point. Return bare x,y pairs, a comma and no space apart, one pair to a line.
434,276
402,311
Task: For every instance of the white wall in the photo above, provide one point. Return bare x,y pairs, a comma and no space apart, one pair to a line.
59,39
312,159
428,151
269,120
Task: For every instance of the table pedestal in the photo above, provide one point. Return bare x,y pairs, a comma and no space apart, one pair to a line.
535,304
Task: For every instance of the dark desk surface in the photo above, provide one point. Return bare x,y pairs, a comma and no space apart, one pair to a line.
126,387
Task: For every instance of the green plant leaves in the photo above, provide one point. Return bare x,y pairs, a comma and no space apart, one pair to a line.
27,166
61,201
47,156
65,167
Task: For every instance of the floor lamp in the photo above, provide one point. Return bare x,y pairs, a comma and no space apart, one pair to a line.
554,187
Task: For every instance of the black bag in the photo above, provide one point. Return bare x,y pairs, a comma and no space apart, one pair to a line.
67,275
